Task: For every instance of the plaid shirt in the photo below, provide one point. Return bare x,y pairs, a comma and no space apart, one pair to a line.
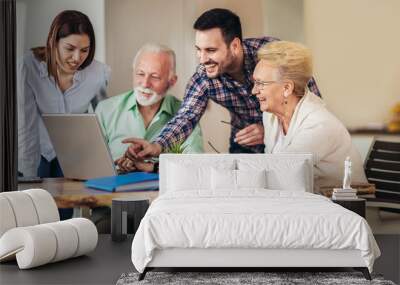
225,91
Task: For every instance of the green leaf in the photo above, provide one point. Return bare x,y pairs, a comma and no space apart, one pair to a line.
176,148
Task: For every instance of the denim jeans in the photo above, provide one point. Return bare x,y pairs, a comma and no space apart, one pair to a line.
49,169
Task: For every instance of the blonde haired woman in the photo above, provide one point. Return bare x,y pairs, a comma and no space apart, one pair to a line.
295,120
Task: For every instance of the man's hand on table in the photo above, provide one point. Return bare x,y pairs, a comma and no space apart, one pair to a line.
141,149
126,165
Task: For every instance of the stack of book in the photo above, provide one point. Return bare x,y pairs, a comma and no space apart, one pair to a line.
344,194
136,181
362,189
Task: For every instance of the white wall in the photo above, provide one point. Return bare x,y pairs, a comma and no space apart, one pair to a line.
356,48
34,18
284,19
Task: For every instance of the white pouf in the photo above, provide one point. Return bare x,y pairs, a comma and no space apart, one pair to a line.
66,237
87,234
23,208
46,208
31,231
40,244
7,218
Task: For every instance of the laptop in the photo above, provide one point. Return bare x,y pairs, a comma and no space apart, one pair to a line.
80,145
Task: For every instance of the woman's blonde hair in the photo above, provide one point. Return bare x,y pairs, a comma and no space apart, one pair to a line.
293,60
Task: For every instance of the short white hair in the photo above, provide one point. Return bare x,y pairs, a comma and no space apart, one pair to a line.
158,48
293,60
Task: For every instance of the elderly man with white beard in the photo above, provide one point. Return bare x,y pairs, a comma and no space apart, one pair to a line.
145,110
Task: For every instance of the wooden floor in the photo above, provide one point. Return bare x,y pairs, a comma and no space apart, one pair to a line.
110,260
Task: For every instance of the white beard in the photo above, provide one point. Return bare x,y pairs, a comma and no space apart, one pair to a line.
143,100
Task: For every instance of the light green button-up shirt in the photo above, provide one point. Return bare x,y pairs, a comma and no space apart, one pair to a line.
120,118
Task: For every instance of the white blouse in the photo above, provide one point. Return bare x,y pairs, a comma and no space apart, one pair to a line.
279,140
38,94
313,129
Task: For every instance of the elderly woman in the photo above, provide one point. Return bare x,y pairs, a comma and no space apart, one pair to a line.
295,120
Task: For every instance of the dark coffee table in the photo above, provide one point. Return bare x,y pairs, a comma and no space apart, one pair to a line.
356,205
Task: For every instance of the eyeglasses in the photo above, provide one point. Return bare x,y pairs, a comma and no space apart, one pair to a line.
259,84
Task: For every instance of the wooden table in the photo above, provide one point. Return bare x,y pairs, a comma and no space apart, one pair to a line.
73,193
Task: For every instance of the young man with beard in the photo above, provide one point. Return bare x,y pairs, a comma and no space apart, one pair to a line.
224,75
145,110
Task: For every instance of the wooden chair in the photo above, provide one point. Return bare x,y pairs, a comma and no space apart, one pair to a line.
382,168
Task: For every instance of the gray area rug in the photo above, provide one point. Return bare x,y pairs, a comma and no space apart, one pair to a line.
230,278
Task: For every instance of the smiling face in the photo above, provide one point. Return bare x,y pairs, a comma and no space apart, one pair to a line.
213,52
72,52
270,95
151,77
